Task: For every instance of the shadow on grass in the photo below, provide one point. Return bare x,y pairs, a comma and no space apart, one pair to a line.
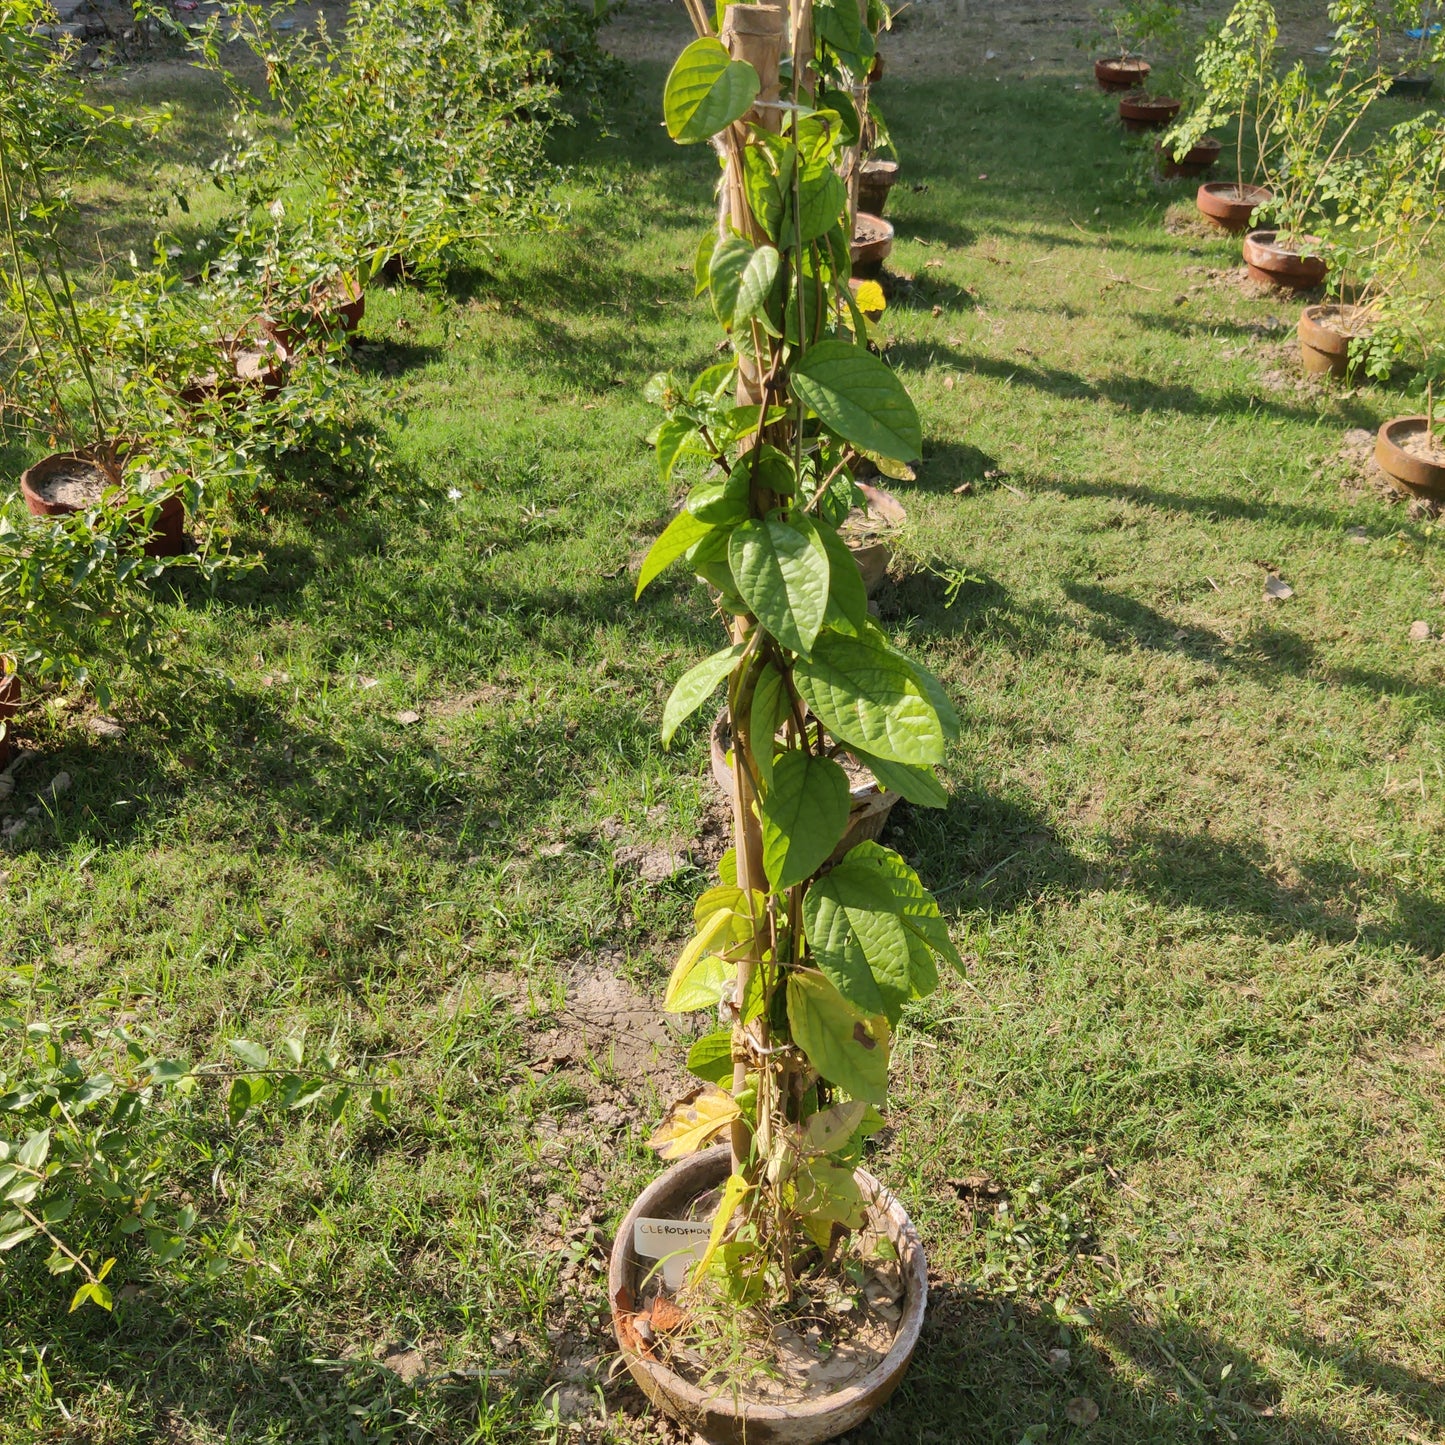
984,1375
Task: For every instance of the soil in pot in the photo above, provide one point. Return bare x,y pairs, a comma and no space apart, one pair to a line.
1141,112
1412,458
1230,205
803,1373
1193,163
875,181
1295,264
1325,333
76,481
1123,72
246,365
872,245
869,802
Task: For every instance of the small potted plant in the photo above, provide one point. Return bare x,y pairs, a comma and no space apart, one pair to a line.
1128,27
1384,207
1412,75
1313,125
809,961
1234,73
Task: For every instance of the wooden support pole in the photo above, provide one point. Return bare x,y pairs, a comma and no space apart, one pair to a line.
753,33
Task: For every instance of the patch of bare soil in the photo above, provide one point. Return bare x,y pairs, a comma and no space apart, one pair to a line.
1283,372
1236,278
1185,220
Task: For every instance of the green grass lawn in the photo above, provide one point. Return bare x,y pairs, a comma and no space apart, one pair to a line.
1183,1117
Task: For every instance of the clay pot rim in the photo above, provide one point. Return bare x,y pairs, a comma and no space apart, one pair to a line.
1252,194
1414,424
1212,144
879,169
1264,240
1309,319
110,458
887,1210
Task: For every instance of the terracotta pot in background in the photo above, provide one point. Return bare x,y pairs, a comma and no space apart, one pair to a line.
1230,205
1141,112
875,181
337,308
1397,450
872,245
67,482
1411,87
1296,266
1324,337
247,365
868,810
1196,162
9,706
866,531
1121,73
716,1415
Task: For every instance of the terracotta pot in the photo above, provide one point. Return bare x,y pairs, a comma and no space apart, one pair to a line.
875,181
872,245
718,1415
38,486
1419,476
249,365
1147,112
9,706
1195,162
1229,205
1411,87
337,308
1325,349
881,512
867,812
1276,265
1121,73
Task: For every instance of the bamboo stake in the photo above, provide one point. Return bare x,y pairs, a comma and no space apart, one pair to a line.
752,33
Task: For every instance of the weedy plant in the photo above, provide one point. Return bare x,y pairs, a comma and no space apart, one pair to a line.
98,1129
809,947
421,127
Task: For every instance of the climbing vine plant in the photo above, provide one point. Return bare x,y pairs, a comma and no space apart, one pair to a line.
808,948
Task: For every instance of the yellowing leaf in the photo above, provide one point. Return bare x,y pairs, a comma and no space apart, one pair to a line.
713,935
734,1192
832,1129
694,1121
827,1192
870,297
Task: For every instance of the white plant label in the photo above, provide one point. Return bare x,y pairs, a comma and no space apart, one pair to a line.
678,1243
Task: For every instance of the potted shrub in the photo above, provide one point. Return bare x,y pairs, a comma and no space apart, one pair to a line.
1412,75
1410,325
1234,73
1128,28
810,962
1385,206
1312,128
